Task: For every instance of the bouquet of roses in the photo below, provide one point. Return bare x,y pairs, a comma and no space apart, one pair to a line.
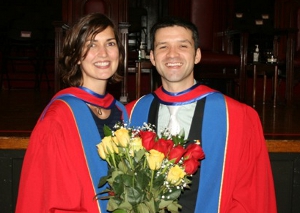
146,173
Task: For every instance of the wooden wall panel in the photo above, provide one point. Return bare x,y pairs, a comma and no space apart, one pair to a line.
286,170
74,9
10,167
203,14
179,8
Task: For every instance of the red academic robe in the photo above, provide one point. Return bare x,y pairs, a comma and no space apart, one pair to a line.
235,176
57,172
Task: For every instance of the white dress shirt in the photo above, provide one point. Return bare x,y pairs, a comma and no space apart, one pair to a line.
184,116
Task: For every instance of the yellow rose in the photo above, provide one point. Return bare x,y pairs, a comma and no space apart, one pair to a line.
115,140
115,148
101,151
135,145
114,145
123,137
175,175
155,159
108,144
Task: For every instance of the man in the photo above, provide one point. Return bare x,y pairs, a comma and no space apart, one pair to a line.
236,175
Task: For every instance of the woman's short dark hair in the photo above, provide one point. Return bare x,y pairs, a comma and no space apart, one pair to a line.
72,52
171,22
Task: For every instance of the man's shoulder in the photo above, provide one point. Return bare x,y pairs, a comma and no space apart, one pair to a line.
236,106
144,100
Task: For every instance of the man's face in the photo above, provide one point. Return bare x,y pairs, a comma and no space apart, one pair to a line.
174,56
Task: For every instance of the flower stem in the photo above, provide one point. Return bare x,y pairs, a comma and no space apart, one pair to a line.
151,183
114,160
145,162
129,158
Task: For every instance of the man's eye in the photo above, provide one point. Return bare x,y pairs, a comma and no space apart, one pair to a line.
162,47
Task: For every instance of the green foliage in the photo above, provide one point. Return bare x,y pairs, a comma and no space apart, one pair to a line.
179,139
135,185
107,131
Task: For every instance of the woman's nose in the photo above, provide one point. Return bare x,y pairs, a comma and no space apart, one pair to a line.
101,51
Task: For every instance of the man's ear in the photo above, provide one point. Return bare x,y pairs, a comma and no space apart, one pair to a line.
152,59
198,56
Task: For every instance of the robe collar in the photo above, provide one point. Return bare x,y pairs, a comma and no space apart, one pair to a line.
194,93
104,101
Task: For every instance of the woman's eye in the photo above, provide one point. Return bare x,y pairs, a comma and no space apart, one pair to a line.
111,44
91,44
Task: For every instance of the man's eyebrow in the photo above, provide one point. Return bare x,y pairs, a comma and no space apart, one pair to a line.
160,43
185,41
179,41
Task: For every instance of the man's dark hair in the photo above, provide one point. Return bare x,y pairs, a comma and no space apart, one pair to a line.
171,22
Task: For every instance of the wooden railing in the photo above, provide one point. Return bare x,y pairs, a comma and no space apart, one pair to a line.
275,146
14,142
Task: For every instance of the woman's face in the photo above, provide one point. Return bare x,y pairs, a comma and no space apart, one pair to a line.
102,59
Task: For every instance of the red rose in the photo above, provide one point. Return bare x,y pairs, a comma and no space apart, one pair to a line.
163,146
111,193
194,151
148,139
191,165
176,153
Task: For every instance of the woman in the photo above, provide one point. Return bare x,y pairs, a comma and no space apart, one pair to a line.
61,168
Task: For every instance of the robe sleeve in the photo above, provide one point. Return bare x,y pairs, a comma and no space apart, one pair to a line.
253,187
51,174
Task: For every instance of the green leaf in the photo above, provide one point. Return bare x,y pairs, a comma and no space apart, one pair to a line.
172,194
112,205
158,181
179,139
134,195
142,179
105,191
115,206
115,174
120,211
125,205
142,207
152,206
117,185
139,155
127,180
102,181
123,167
174,207
164,203
107,131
